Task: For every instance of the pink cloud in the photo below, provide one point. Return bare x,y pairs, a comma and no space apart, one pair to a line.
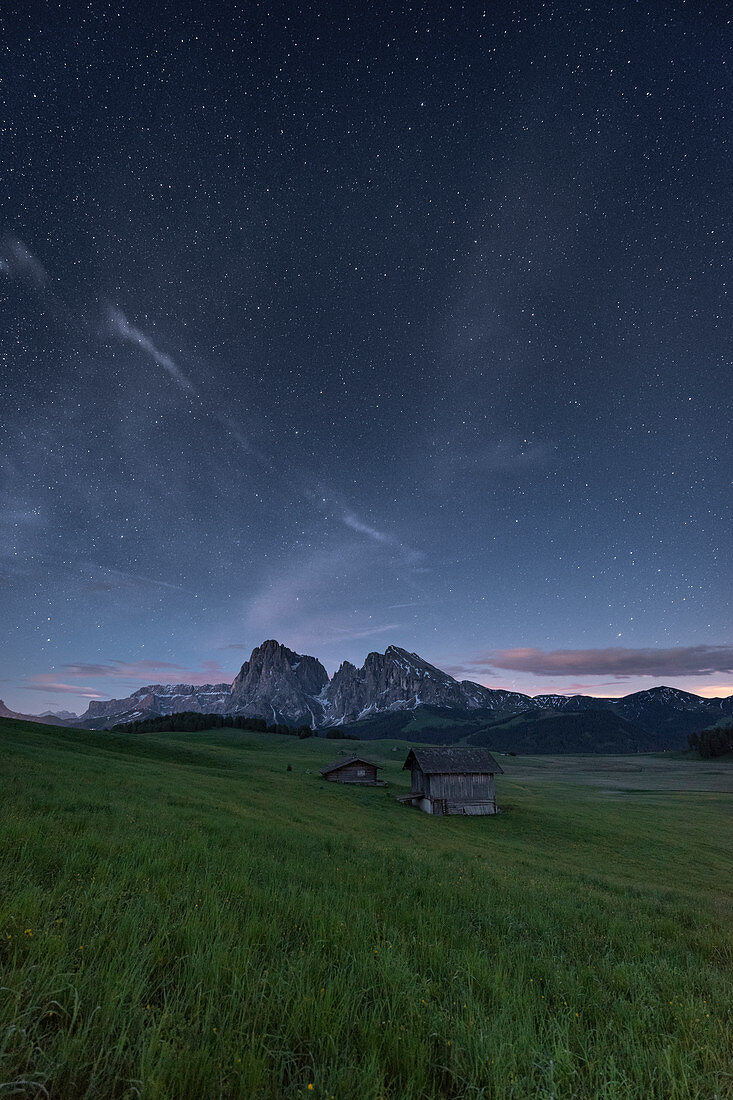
45,681
147,669
136,672
619,662
211,672
123,669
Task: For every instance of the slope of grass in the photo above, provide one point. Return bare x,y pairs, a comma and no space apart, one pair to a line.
180,916
424,723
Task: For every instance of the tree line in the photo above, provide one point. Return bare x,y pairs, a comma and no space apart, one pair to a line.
716,741
191,721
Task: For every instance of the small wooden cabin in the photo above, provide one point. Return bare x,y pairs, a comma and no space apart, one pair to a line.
354,769
454,780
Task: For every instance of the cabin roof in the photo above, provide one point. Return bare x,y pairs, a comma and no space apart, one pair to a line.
453,761
349,760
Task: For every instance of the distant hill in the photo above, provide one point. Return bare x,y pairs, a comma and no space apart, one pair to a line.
599,731
431,725
44,719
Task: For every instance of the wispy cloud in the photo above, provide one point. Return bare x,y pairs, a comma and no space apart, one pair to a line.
15,515
235,431
122,669
51,685
413,557
72,679
352,632
144,669
508,455
363,529
122,327
105,579
17,261
618,662
318,600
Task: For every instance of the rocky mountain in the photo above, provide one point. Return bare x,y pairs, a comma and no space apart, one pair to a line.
155,699
5,712
399,680
282,686
393,680
65,715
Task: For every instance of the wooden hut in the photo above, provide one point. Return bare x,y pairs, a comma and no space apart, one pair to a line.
453,780
354,769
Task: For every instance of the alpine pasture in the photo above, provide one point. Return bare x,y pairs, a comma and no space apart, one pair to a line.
181,916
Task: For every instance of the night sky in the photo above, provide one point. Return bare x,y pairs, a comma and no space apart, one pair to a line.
358,324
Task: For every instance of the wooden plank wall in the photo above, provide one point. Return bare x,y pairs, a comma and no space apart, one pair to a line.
350,774
462,787
419,781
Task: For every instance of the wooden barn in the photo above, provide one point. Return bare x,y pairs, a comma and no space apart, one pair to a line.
353,769
452,780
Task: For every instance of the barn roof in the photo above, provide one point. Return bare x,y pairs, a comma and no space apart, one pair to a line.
347,761
453,760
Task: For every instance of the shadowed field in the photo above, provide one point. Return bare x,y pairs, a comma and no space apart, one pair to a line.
640,772
180,916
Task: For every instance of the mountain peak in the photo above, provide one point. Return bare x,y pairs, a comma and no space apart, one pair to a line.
663,692
271,645
395,651
279,684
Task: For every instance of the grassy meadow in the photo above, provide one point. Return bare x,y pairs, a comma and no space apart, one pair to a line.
181,916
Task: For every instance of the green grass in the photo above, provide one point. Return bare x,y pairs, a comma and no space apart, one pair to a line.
180,916
423,720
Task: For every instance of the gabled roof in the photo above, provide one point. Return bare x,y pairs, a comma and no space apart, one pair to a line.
453,760
349,760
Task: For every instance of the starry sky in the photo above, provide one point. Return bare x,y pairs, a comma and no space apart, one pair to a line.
358,324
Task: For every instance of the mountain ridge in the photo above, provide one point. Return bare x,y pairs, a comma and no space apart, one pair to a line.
43,719
283,686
